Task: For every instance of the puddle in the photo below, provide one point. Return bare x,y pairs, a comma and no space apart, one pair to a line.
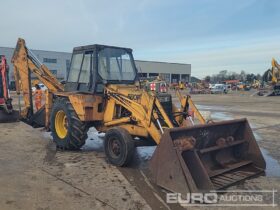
221,116
204,107
272,165
257,136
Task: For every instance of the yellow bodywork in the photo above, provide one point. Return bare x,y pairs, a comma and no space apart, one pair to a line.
144,115
85,105
181,85
178,161
275,72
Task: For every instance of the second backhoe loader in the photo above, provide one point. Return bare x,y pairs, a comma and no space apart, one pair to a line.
102,90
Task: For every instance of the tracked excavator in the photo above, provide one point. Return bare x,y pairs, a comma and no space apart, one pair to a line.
7,113
102,90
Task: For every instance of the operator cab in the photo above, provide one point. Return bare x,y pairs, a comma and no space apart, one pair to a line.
94,66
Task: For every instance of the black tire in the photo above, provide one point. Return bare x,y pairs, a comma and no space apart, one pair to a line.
123,142
76,129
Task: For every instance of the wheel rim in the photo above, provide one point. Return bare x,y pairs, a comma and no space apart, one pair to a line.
61,124
115,147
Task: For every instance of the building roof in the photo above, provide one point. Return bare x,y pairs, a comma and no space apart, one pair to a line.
232,81
99,46
162,62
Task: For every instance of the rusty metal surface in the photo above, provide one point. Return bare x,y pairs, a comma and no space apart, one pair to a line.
206,157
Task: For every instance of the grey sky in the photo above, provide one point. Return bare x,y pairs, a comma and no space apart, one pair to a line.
211,35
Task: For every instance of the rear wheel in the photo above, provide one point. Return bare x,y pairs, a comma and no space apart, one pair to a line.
67,130
119,146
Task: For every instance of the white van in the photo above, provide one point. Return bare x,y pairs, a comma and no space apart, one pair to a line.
219,88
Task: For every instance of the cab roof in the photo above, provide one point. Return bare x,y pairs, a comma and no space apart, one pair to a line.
98,47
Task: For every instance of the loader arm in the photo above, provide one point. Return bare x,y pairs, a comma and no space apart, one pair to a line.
145,115
25,63
187,101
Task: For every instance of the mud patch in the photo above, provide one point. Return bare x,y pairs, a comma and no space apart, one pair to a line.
50,152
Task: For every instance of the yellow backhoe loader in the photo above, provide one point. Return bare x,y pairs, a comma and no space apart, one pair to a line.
102,90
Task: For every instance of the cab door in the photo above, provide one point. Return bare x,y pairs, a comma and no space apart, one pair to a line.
80,77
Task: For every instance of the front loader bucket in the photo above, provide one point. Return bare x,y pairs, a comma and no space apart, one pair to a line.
206,157
8,117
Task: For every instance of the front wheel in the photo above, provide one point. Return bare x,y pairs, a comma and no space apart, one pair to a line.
119,146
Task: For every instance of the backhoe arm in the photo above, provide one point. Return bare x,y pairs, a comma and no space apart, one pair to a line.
25,63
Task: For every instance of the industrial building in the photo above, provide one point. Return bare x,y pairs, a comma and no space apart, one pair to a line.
170,72
59,64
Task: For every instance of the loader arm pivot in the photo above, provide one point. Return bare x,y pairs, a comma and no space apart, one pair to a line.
146,115
187,101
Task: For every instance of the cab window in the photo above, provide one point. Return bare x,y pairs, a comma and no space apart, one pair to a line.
75,67
86,67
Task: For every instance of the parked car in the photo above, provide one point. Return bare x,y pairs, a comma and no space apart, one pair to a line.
219,88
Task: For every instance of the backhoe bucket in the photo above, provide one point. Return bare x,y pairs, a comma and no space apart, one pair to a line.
8,117
206,157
